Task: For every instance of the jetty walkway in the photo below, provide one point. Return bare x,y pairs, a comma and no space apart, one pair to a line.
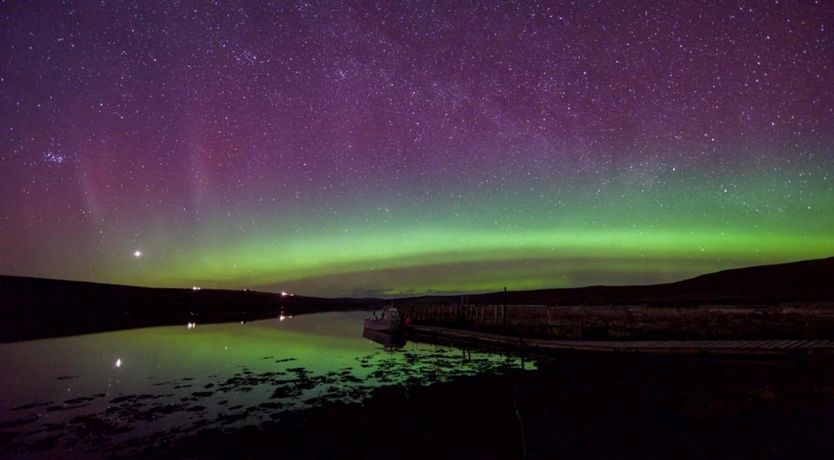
729,347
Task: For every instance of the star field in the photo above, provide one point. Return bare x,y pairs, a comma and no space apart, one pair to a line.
358,148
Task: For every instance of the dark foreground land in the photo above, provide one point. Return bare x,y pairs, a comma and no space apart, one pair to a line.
576,405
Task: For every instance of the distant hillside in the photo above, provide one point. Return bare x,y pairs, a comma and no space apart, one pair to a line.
36,307
806,281
54,296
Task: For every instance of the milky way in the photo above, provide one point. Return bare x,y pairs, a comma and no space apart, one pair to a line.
379,148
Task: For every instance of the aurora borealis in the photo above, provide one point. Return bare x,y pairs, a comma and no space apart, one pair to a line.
382,148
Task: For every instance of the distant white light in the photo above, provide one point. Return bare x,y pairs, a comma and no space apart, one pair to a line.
137,253
284,294
119,362
195,288
191,325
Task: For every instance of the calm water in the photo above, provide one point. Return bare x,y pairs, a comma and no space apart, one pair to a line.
119,391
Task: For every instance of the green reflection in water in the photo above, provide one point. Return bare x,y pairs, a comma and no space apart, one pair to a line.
172,381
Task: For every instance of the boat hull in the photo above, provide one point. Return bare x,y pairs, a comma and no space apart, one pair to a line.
382,324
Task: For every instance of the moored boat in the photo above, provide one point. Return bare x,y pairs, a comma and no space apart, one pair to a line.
388,321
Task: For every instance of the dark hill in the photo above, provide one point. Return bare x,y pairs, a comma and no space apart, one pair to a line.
805,281
37,307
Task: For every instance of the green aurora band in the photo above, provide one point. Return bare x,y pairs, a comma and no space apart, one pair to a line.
403,148
622,232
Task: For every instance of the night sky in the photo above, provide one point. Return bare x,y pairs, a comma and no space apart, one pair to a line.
356,148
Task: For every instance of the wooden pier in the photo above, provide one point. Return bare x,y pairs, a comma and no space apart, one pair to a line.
722,347
800,321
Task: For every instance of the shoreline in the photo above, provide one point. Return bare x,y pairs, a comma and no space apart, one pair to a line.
784,301
572,405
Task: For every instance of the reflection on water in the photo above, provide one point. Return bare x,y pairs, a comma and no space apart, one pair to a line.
118,391
390,341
